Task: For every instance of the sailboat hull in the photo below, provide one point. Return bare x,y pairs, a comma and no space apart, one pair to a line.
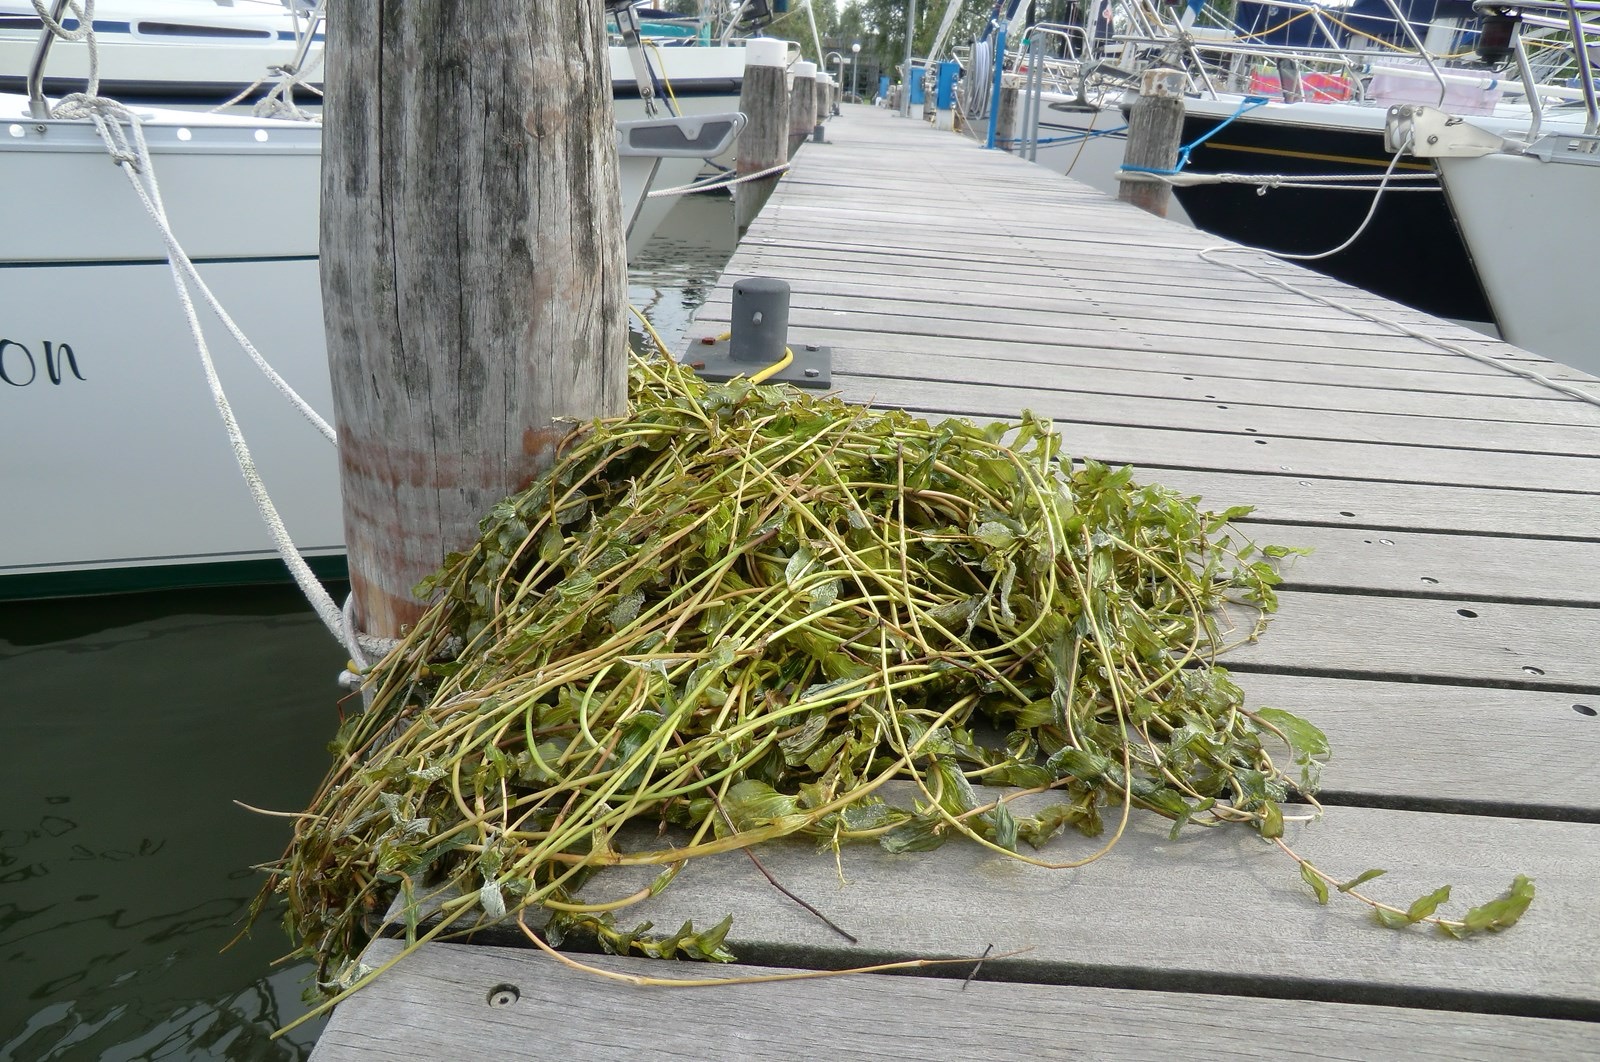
116,467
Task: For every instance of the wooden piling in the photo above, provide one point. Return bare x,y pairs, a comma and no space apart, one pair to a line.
473,271
1005,125
764,142
802,105
824,95
1155,125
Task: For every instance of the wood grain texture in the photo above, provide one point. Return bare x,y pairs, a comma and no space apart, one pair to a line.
1532,423
1212,911
802,112
472,266
764,141
1468,642
1209,410
1293,498
1344,559
1414,745
435,1003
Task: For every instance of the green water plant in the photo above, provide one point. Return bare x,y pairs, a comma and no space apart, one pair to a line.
740,612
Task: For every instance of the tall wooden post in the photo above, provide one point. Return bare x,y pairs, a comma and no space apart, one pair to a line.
824,85
1155,125
473,271
1005,120
802,105
764,141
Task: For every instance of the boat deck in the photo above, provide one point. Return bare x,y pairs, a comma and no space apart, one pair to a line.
1444,633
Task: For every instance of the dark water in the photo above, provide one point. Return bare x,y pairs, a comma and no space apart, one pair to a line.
679,267
128,727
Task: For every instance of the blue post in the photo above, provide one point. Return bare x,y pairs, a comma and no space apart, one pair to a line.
994,95
914,81
944,96
883,87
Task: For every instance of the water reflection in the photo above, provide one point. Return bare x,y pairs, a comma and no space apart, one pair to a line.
130,726
133,724
678,269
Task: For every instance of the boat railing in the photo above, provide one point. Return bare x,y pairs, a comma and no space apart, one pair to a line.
38,106
1565,14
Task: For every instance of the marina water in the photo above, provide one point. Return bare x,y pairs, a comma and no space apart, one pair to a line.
131,725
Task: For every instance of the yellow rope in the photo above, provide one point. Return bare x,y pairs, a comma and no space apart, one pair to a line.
665,81
1361,33
761,377
776,367
1273,29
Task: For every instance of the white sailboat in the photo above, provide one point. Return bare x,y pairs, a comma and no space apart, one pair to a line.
116,469
1525,204
1290,114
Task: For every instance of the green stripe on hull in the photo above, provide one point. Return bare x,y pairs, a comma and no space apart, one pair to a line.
163,577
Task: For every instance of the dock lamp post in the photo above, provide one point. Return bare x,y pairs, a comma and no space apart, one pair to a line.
855,71
842,61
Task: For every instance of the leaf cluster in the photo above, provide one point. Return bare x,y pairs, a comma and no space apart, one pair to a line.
740,611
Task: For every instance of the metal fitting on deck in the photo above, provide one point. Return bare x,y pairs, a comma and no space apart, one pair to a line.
757,342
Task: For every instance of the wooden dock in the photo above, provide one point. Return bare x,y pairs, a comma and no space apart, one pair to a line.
1445,633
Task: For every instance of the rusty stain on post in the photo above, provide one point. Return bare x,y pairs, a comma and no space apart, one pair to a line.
473,271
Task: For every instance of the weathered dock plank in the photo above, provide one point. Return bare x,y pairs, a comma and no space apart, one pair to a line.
1343,560
1084,404
1420,746
1468,380
1290,497
1443,632
1212,910
434,1005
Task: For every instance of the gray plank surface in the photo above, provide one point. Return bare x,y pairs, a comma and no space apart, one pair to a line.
953,281
1214,911
434,1005
1345,559
1472,749
1467,642
1296,498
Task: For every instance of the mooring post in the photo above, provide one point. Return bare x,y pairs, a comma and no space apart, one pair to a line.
764,142
473,271
824,93
1155,125
1005,121
802,105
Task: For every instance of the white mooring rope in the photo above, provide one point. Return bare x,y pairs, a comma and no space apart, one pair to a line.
713,183
130,151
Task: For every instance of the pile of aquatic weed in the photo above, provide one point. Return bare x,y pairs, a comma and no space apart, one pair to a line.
740,611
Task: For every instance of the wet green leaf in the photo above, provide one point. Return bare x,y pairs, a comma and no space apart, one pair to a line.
1392,919
921,833
1426,905
1361,879
1318,886
752,804
1504,912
